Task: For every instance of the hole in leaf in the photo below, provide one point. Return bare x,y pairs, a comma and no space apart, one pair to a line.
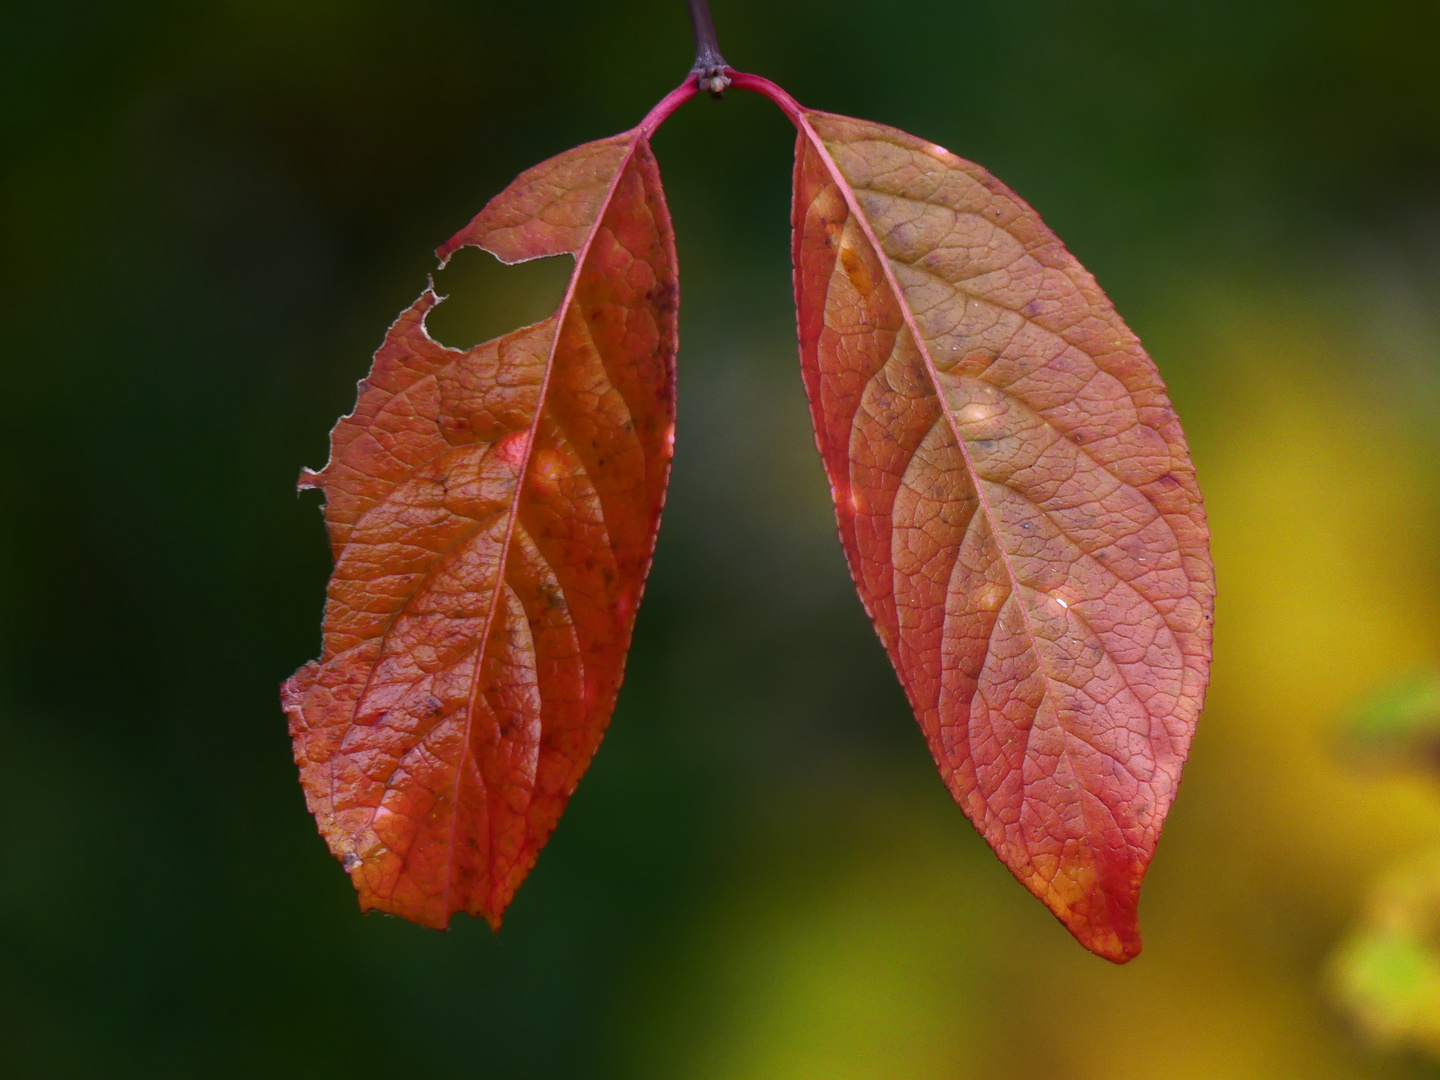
487,299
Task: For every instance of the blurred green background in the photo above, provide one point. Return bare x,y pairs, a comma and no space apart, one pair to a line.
209,213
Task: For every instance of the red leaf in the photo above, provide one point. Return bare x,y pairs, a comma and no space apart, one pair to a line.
492,515
1016,501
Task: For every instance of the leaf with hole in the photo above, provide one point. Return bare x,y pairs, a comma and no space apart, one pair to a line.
492,514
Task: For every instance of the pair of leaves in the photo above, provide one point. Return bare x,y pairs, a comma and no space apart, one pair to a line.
1013,492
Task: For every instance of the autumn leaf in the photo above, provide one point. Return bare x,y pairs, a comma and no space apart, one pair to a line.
1016,501
492,515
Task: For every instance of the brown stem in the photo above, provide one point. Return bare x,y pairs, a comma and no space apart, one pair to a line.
710,66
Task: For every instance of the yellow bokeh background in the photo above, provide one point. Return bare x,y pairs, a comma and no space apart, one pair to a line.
903,957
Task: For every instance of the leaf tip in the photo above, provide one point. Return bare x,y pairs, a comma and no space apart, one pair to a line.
1117,943
1099,908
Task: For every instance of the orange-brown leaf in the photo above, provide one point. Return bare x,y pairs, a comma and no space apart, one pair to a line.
492,514
1017,504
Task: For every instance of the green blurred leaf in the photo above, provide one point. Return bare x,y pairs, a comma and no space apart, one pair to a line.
1400,719
1386,974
